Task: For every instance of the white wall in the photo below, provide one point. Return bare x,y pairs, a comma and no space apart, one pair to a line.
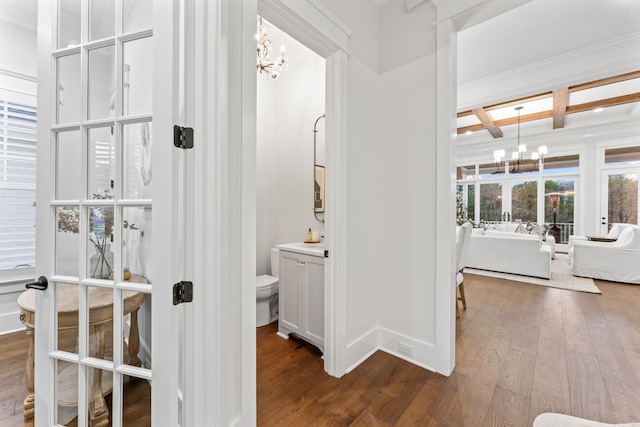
287,111
16,44
392,185
408,90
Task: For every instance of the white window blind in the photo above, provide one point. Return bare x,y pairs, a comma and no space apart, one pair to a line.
17,185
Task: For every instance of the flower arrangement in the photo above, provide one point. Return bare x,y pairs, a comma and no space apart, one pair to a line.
101,222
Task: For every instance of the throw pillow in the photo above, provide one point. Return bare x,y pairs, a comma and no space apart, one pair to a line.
521,228
494,227
537,230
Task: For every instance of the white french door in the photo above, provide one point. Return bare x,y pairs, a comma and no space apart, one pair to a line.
619,197
108,200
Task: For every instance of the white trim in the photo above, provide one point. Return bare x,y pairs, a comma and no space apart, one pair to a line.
446,150
165,257
44,379
309,23
323,33
10,322
225,217
336,214
5,72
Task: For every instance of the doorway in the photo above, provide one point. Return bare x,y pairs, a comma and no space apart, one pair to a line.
330,43
619,198
287,107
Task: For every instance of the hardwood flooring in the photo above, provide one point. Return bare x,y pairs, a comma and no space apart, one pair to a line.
13,355
521,350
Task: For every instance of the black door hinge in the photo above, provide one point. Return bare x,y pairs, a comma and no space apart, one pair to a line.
182,137
326,253
182,292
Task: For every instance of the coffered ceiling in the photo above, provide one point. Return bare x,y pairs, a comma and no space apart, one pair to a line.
557,104
560,61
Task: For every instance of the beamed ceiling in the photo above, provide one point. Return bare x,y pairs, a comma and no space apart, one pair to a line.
556,104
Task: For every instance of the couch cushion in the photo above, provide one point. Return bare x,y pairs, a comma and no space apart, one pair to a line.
625,236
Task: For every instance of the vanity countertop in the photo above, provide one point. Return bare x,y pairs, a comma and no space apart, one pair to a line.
313,249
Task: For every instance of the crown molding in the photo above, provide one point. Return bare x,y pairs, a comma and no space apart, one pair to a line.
315,26
599,61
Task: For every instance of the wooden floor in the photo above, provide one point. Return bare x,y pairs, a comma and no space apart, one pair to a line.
13,355
521,350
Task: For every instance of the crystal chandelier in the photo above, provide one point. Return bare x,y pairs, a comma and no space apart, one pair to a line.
266,65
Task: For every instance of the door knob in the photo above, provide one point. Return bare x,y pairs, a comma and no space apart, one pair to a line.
40,285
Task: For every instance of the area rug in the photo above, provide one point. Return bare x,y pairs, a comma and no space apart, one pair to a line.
561,277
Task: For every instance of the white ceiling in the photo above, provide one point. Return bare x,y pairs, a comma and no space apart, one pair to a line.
540,30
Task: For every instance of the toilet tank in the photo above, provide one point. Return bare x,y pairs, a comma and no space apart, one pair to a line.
275,262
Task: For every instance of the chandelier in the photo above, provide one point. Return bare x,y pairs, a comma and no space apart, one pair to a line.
266,65
518,156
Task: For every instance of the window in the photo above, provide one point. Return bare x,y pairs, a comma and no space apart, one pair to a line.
17,186
626,156
561,164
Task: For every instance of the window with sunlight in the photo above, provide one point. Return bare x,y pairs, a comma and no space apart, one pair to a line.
17,186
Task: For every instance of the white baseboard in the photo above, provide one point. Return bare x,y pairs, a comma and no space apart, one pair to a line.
360,349
423,354
10,322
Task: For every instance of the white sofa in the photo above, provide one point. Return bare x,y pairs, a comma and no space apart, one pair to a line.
507,252
561,420
511,227
617,261
613,233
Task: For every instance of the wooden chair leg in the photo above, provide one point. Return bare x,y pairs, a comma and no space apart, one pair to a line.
462,298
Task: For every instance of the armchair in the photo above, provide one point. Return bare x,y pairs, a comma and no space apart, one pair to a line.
615,261
613,233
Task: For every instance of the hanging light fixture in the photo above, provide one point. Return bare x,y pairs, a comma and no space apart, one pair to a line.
498,157
265,64
518,156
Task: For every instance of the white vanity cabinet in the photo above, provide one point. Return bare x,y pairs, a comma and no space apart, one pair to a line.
301,296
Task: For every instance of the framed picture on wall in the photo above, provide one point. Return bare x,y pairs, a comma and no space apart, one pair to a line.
318,189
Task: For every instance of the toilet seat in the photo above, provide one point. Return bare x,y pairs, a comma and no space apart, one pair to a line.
265,281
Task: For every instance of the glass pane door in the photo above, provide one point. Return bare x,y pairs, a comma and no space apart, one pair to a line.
491,202
619,198
94,349
563,213
524,201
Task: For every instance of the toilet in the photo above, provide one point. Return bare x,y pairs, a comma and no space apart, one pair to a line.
267,293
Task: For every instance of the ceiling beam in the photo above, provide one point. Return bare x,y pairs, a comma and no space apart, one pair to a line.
487,121
508,103
560,99
509,121
606,81
603,103
609,102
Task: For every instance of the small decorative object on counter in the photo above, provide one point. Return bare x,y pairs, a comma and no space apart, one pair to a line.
312,237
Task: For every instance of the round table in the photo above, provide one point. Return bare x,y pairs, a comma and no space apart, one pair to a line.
100,314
